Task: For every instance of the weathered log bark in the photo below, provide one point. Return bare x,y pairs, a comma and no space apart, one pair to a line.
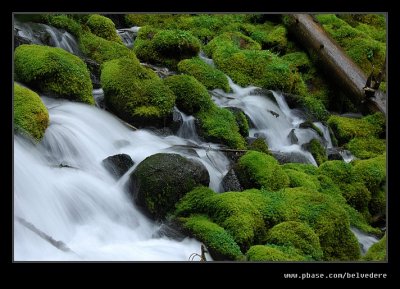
337,65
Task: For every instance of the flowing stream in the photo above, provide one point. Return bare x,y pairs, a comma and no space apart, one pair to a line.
62,188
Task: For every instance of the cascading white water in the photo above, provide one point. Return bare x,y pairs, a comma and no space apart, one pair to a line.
365,241
128,35
272,120
82,205
43,34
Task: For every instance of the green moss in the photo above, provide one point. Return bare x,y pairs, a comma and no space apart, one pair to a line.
346,128
305,168
301,179
256,170
297,235
366,147
364,44
219,125
165,47
315,107
191,95
358,196
377,205
241,121
209,76
298,60
377,252
103,27
371,172
310,124
318,151
64,22
272,253
135,93
218,241
30,114
239,213
259,145
100,49
358,220
53,71
339,171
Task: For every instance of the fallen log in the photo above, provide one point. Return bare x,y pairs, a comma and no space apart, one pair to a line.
334,61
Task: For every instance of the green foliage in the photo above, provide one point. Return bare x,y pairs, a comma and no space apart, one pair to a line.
219,242
377,205
377,252
318,151
219,125
53,71
30,114
209,76
315,107
102,50
256,170
191,95
135,93
339,171
103,27
259,145
165,47
358,220
366,147
297,235
305,168
272,253
241,121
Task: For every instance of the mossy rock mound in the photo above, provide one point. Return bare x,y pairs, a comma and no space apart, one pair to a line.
366,147
273,253
220,244
136,94
297,235
345,128
317,150
165,47
257,170
54,72
161,180
209,76
191,95
219,125
241,58
30,114
103,27
371,172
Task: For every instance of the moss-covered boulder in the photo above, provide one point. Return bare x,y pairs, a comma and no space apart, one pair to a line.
209,76
366,147
301,179
136,94
339,171
219,125
257,170
191,95
317,150
160,180
103,27
241,120
377,252
118,164
346,128
220,244
102,50
54,72
272,253
259,145
165,47
297,235
371,172
241,58
30,114
239,213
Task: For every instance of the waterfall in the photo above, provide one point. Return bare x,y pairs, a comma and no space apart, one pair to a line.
128,35
365,241
82,205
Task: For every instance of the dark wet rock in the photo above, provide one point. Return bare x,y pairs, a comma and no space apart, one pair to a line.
176,122
170,230
292,137
292,100
230,183
118,165
334,154
161,180
19,40
290,157
95,71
